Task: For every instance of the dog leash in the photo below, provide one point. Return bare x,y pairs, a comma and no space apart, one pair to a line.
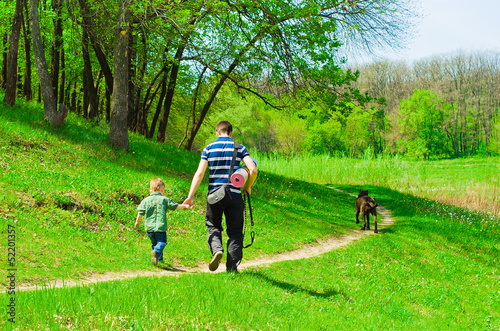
252,233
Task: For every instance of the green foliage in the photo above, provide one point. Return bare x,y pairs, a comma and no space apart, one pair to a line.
422,119
324,138
495,140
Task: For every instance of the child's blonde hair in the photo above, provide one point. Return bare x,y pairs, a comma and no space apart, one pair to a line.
156,185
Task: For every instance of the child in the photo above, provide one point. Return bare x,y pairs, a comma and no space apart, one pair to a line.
154,208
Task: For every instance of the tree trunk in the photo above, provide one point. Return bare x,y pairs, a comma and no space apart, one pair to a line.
90,107
89,25
159,105
54,116
134,91
172,82
63,77
5,55
196,125
108,105
118,131
148,101
174,71
193,109
11,78
27,90
56,46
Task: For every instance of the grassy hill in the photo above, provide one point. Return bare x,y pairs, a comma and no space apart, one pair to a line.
72,199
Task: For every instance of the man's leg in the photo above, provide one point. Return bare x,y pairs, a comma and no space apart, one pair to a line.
213,222
234,222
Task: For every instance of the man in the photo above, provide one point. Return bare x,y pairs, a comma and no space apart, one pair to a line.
217,156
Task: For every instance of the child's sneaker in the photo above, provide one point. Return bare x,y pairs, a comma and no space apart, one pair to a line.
214,264
154,257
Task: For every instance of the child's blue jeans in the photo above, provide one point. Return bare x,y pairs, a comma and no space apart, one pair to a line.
158,242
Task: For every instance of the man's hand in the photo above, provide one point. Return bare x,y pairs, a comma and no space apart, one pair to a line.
184,206
189,202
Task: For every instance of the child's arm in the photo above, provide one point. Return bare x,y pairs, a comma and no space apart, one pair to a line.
183,206
137,220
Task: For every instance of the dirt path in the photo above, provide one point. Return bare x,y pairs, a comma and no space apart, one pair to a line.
303,253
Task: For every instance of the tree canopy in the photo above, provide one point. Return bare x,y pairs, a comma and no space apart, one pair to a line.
180,54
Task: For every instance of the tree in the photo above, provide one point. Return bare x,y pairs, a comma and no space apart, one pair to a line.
469,82
287,42
11,79
118,129
56,47
359,131
421,118
27,90
56,117
182,49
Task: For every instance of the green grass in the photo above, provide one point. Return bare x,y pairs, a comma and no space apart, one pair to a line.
73,200
471,183
436,268
426,272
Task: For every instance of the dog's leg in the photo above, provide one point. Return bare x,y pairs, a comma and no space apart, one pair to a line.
364,220
375,218
357,216
368,221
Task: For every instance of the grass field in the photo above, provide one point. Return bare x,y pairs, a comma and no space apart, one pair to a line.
69,191
471,183
72,200
425,272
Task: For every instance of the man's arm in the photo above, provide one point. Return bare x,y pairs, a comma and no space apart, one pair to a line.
195,183
252,169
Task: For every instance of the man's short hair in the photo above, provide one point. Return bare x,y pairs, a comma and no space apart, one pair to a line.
224,127
156,185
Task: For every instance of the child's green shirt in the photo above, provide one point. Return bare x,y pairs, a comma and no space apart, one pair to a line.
154,208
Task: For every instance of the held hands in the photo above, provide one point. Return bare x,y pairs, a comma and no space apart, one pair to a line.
185,206
189,202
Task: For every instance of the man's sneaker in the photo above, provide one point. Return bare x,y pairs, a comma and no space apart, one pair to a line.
214,264
154,257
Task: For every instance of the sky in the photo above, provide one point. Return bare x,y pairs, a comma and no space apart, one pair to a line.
448,26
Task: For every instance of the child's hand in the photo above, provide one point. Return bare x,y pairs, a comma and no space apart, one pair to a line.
189,202
137,220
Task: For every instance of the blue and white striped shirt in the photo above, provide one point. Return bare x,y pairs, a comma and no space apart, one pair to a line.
219,155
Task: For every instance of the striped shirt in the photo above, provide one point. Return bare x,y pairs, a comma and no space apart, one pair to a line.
219,155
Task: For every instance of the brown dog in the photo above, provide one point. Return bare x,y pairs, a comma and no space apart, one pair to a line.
366,205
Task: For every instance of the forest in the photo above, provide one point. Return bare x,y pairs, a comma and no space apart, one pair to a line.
169,70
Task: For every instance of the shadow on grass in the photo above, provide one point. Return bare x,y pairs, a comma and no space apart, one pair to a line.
386,230
292,288
95,137
168,267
